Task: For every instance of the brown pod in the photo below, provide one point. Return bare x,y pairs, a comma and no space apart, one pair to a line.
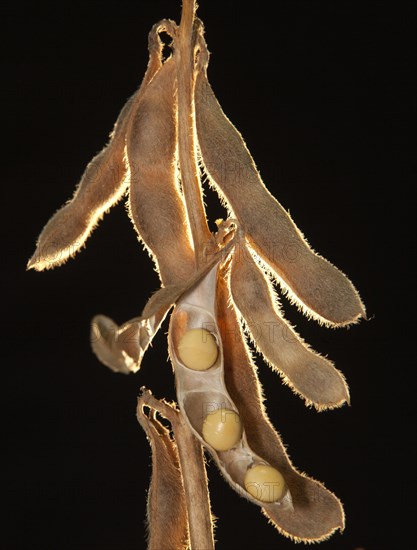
316,512
166,509
318,287
102,184
310,375
156,204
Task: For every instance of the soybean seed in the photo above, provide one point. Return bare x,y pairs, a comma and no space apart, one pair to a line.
222,429
197,349
265,483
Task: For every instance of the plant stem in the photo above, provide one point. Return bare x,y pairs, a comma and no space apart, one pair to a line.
193,473
190,451
186,131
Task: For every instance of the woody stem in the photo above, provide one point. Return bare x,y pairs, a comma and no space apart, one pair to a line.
186,131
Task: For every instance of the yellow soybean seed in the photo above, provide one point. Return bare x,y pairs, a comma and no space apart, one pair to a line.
197,349
222,429
265,483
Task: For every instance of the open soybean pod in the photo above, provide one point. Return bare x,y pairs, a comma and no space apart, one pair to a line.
103,183
310,375
318,287
198,356
156,203
316,512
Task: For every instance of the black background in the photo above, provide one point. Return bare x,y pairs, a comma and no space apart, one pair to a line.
322,92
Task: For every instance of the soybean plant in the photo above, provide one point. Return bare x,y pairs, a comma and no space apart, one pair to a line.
220,288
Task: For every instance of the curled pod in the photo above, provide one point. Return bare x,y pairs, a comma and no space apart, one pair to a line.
122,348
196,351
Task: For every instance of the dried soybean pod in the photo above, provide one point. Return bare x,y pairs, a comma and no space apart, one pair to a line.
309,374
318,287
122,348
166,509
102,184
156,205
316,513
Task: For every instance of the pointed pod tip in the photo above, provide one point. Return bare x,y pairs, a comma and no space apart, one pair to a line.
346,393
344,321
40,262
360,308
363,313
30,265
34,263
